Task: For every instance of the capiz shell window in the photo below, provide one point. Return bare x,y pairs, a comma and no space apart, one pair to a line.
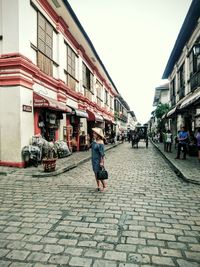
71,69
45,45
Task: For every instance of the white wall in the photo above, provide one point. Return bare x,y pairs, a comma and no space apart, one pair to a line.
12,123
10,26
164,97
27,118
27,29
1,25
61,57
62,124
79,74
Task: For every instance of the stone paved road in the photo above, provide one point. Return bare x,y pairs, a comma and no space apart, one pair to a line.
148,217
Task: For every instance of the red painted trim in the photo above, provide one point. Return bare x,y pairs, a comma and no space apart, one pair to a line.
61,99
36,128
14,72
47,7
17,61
12,164
82,106
22,63
56,135
15,81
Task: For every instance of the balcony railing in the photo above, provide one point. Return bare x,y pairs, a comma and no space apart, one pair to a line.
181,92
195,81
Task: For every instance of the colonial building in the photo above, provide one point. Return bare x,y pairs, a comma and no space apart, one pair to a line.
161,96
132,121
121,114
52,81
183,72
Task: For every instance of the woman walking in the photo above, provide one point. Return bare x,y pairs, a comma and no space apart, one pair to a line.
98,155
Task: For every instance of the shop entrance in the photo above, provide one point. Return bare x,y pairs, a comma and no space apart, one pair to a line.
48,122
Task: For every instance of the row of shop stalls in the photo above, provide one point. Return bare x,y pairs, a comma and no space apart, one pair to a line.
186,112
68,127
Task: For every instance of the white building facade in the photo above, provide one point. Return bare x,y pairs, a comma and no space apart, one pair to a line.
183,73
161,96
52,81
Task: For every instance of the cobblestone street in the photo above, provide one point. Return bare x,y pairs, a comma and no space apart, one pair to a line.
147,217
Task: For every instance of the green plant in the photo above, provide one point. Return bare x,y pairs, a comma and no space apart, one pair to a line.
161,109
116,115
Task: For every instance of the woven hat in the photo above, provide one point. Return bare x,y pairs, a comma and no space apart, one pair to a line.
98,131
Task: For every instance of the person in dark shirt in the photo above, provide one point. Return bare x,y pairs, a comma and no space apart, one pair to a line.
183,138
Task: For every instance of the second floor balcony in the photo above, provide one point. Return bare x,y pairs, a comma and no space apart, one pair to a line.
181,92
195,81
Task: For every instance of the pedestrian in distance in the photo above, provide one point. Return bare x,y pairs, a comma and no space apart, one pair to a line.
164,138
112,137
169,140
176,140
198,143
87,142
98,154
129,136
183,138
123,136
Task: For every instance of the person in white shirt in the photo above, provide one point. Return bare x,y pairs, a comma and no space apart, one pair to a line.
169,141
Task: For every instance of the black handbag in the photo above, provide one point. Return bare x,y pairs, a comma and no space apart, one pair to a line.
102,174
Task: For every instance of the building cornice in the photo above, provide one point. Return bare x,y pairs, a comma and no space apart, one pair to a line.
185,33
19,70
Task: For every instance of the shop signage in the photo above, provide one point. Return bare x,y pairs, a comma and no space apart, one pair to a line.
27,108
40,102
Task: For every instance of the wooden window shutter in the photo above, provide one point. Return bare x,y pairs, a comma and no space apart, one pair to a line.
71,62
49,40
41,33
84,74
45,45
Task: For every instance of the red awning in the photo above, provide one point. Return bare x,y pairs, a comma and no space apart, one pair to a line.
92,116
41,101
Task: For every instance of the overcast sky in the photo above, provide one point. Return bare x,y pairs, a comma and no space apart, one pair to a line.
134,39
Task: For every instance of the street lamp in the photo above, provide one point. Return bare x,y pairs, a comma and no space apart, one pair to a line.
196,49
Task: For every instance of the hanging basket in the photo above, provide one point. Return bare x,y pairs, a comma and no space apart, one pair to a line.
49,164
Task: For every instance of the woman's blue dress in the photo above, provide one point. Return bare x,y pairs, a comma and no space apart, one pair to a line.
97,154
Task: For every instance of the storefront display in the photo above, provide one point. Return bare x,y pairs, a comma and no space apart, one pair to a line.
48,122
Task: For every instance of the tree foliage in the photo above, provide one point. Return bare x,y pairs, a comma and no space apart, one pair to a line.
161,109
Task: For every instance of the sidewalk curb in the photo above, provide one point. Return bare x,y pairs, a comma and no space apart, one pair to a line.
69,167
175,168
